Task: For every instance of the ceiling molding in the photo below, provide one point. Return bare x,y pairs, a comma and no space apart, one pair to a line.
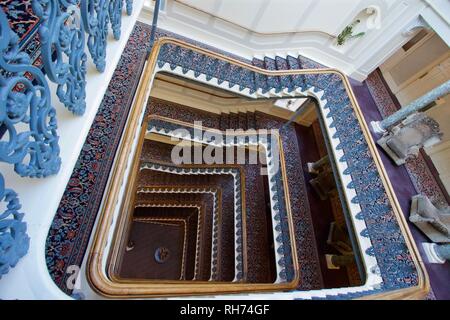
253,31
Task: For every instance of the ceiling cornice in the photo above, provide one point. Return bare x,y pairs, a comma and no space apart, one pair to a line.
285,33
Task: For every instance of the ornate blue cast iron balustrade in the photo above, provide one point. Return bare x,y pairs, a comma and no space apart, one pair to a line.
30,141
115,16
63,42
25,95
95,19
14,241
129,6
61,35
95,15
28,137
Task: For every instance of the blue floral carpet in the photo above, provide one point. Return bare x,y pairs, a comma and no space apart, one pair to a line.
72,226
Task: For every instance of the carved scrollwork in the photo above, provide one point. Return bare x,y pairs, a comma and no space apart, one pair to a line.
115,16
129,6
96,14
95,17
62,38
30,140
14,241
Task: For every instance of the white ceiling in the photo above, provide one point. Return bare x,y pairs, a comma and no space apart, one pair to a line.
285,16
258,28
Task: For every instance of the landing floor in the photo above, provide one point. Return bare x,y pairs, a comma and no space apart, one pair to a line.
143,259
404,189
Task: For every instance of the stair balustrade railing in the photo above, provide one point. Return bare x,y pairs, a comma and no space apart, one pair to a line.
28,122
330,86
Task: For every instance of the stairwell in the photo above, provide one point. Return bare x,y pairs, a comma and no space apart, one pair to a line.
189,185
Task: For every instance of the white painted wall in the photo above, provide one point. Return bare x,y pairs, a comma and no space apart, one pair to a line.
426,71
412,73
440,153
437,16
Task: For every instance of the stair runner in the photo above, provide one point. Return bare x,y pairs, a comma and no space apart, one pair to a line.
177,59
257,225
284,265
259,269
329,87
152,198
223,209
389,260
366,192
204,204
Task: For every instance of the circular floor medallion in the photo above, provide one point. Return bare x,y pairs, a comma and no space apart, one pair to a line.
161,254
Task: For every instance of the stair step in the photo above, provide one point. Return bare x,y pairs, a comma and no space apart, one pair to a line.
251,121
233,120
297,81
242,120
224,182
235,75
224,121
282,64
260,79
272,81
306,63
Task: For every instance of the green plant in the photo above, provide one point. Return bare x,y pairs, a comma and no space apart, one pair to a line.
347,33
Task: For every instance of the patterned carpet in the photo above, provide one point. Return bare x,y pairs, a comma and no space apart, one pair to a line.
24,23
306,249
423,181
148,237
310,275
160,153
258,270
72,227
70,231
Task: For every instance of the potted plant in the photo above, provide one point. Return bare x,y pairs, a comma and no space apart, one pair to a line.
347,33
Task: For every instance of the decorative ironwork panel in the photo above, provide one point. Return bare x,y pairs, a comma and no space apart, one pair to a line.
129,6
95,17
115,16
62,51
27,118
96,14
14,241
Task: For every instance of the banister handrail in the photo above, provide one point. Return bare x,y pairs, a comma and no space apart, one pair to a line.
95,273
